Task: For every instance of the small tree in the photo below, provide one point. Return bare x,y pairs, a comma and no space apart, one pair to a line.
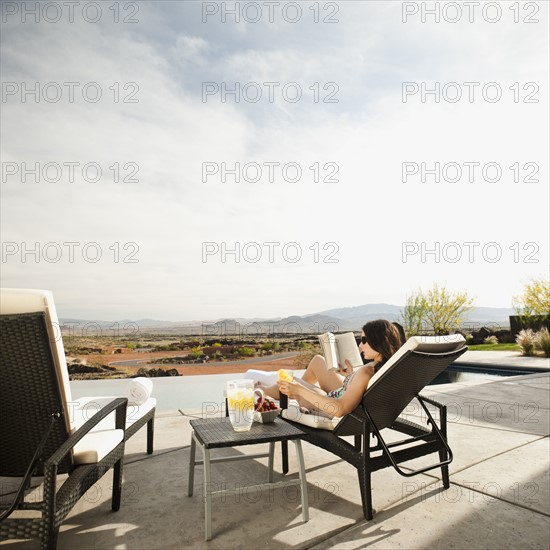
413,314
438,310
534,300
446,310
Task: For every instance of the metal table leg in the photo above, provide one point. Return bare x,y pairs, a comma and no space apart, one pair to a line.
303,482
191,466
270,461
207,495
208,492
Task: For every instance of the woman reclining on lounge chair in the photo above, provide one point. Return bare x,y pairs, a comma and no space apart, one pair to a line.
338,393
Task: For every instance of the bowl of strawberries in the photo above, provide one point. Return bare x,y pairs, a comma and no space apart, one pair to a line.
266,411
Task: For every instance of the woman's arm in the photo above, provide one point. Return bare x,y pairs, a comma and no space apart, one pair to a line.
329,405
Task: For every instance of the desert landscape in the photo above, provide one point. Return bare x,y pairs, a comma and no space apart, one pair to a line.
162,355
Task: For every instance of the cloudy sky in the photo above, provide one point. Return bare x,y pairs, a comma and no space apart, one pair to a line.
136,115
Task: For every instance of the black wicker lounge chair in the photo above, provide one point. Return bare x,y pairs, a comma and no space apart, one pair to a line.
15,300
37,438
390,391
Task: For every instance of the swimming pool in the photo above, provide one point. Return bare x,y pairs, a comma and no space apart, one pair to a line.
171,392
206,391
463,373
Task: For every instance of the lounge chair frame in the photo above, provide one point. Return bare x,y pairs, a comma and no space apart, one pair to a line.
34,437
42,300
381,407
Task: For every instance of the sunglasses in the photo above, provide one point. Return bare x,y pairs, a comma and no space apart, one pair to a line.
363,340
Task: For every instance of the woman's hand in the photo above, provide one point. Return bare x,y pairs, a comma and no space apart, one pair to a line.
292,389
346,369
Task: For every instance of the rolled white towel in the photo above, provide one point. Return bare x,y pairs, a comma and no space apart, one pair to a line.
138,390
265,378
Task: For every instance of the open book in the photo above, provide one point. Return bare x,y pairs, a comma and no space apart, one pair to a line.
339,347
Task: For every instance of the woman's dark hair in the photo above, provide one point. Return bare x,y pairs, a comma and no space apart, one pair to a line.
383,337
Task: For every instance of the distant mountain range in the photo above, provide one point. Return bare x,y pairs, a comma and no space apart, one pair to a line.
346,318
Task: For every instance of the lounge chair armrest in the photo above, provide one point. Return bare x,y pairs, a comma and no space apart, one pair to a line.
433,402
119,405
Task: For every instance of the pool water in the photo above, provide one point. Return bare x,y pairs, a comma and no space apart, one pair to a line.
468,375
206,392
172,393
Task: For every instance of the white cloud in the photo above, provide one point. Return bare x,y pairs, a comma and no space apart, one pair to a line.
170,132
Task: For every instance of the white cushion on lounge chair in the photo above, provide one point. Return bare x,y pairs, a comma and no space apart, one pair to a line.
311,419
23,300
84,408
92,447
266,378
96,445
426,344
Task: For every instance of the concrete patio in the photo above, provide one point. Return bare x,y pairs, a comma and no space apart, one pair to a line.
499,495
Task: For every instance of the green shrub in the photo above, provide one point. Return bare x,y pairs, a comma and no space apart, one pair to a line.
245,352
491,340
542,341
526,341
196,353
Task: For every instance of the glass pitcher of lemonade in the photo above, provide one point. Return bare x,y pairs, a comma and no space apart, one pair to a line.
240,402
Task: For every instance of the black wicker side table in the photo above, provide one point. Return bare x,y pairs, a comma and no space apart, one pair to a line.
216,433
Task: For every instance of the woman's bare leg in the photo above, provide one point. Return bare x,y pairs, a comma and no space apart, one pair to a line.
273,391
317,372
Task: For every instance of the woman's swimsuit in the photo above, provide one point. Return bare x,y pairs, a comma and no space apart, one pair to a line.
336,394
